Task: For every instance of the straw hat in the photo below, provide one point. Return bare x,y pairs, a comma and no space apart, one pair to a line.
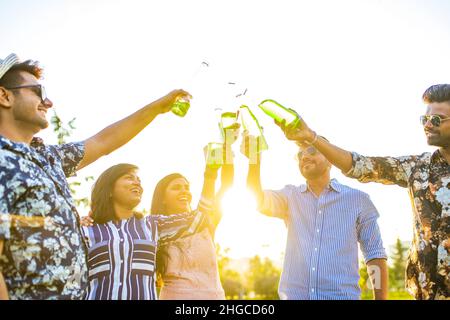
7,63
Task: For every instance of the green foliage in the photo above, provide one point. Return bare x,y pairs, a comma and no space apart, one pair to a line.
231,280
397,270
396,274
63,132
263,277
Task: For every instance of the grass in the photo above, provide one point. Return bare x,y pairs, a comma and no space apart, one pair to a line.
393,295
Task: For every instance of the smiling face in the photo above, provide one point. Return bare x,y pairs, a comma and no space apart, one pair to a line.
177,197
312,163
127,191
27,108
438,136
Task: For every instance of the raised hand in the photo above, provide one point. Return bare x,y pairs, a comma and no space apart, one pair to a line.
300,134
165,103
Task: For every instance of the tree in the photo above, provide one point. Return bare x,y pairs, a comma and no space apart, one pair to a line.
398,267
263,277
63,132
231,280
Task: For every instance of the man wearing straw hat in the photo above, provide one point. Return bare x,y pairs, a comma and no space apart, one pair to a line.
42,252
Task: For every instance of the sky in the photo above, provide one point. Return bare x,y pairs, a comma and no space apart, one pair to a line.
354,70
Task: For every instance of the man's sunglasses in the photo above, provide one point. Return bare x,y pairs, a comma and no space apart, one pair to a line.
434,119
309,151
37,88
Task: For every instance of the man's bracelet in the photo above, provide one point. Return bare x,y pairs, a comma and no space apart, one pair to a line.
316,137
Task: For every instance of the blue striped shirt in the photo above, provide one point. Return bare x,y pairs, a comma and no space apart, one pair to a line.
122,255
321,259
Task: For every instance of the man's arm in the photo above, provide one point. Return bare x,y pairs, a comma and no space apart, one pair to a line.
254,168
3,290
378,273
226,181
371,243
386,170
340,158
119,133
270,203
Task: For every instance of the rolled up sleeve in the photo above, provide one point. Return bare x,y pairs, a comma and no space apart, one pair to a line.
369,235
274,204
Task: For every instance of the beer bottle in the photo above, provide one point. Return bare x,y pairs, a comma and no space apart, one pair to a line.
251,125
278,112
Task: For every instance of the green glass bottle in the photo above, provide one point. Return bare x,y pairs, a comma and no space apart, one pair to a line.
181,106
228,120
214,154
251,125
278,112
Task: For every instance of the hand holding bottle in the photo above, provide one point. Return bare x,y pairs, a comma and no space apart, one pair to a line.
299,134
165,103
214,154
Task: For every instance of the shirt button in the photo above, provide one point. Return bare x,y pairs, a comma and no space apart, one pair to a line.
121,240
318,230
312,290
315,249
313,269
320,211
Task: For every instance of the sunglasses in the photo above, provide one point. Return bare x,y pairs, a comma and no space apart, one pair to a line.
434,119
309,151
38,89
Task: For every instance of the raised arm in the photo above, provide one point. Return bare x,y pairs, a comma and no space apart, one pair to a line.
254,168
175,226
386,170
340,158
270,203
119,133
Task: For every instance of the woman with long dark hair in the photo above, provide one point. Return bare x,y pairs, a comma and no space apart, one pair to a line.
187,267
123,243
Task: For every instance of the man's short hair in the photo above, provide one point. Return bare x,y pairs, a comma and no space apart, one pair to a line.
12,77
437,93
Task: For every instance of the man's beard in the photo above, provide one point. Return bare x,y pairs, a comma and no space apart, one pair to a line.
31,118
313,174
439,141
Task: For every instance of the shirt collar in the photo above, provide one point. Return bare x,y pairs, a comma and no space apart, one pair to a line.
19,147
27,151
5,142
437,158
334,185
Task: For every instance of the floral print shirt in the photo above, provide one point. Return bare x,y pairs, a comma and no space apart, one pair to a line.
427,178
44,253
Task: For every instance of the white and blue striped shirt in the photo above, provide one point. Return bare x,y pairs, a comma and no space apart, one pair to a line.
321,259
